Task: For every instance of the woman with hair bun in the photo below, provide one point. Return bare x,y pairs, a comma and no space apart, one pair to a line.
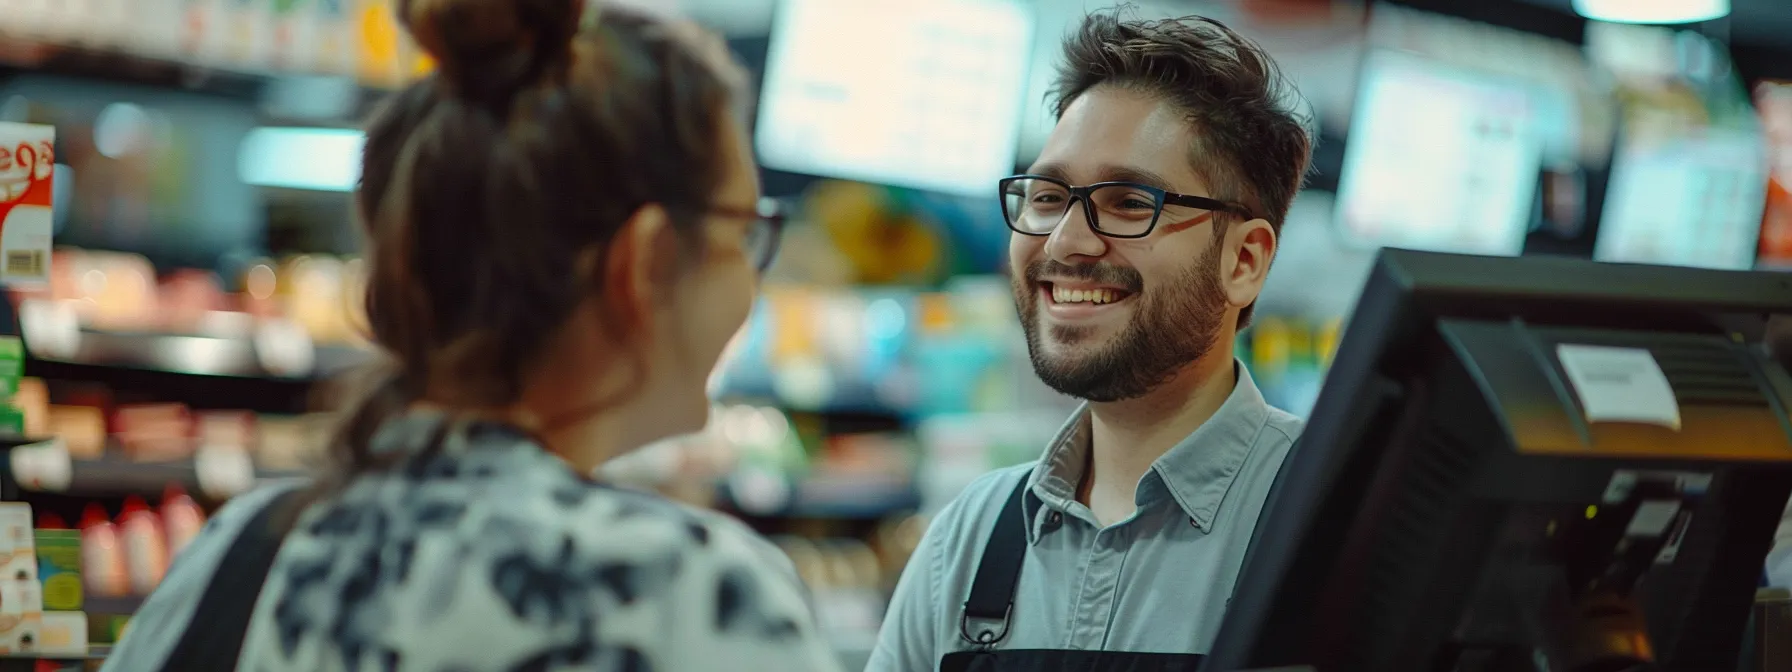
564,230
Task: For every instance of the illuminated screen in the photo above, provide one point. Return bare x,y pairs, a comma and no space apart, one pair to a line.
1694,200
1774,101
320,159
914,93
1438,159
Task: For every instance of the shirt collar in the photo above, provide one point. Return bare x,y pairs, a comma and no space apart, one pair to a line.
1054,480
1197,471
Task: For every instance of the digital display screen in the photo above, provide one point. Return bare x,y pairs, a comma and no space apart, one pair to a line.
924,94
1688,200
1439,158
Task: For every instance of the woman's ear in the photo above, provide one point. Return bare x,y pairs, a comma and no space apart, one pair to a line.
635,267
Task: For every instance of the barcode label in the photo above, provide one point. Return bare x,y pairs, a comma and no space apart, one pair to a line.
25,263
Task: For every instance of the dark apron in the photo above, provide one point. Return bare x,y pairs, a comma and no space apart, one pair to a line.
986,613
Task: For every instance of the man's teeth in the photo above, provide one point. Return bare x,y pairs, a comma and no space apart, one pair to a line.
1095,296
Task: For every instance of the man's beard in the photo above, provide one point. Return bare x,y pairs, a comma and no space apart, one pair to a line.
1173,325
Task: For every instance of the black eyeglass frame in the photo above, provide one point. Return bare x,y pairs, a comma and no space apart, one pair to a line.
768,212
1160,197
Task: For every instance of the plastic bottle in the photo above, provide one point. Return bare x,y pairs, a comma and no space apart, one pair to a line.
145,545
102,558
182,517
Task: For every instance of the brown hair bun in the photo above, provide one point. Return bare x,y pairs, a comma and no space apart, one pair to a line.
487,50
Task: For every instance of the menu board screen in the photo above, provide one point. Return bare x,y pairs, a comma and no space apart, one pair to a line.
1439,158
913,93
1693,199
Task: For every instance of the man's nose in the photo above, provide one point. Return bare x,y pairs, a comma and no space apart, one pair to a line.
1075,236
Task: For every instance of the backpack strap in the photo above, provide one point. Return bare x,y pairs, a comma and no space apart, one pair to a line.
214,637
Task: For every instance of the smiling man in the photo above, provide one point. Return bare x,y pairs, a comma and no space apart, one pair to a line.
1142,236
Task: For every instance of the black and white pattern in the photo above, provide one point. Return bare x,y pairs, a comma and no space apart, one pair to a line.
484,552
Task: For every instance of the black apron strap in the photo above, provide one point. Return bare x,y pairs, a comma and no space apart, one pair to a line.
992,601
998,572
214,638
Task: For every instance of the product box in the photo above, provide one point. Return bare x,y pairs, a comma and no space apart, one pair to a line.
158,28
61,633
18,554
381,63
27,177
12,366
23,18
108,628
59,568
21,598
12,420
332,40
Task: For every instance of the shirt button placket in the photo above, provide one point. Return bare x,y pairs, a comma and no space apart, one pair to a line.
1100,584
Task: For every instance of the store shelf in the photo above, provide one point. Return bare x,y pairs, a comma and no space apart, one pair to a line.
21,56
117,477
33,663
36,56
196,355
164,366
829,499
113,475
122,605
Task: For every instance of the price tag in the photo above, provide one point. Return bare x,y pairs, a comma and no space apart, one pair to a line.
223,472
284,348
52,329
759,490
43,467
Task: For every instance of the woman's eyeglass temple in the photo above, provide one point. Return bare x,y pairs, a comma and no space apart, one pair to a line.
765,228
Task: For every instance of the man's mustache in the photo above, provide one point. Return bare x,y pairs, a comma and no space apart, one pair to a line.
1101,274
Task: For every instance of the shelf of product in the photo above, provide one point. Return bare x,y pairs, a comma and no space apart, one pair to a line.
110,317
46,467
103,449
769,466
42,613
99,508
1288,358
849,580
71,590
838,494
894,351
198,43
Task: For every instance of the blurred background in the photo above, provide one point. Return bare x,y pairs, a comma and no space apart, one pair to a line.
203,289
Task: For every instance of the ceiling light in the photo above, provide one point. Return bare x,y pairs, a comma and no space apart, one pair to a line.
1652,11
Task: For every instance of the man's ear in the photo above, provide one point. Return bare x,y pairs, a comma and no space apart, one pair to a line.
1253,244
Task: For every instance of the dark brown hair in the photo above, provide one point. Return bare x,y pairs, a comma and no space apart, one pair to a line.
490,189
1250,146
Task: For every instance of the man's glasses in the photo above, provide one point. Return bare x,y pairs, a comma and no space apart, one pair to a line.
765,227
1034,205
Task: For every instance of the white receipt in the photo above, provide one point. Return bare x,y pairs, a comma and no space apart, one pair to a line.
1620,385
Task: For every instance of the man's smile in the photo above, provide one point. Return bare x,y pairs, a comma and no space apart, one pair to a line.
1074,301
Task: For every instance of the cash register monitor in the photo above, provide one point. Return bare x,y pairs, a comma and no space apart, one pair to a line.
1527,464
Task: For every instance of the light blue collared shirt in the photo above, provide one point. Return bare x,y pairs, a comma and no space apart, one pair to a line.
1158,581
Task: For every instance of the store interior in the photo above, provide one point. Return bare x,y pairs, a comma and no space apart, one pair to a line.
201,303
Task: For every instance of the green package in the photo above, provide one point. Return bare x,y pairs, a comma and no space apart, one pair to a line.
12,420
59,568
12,365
